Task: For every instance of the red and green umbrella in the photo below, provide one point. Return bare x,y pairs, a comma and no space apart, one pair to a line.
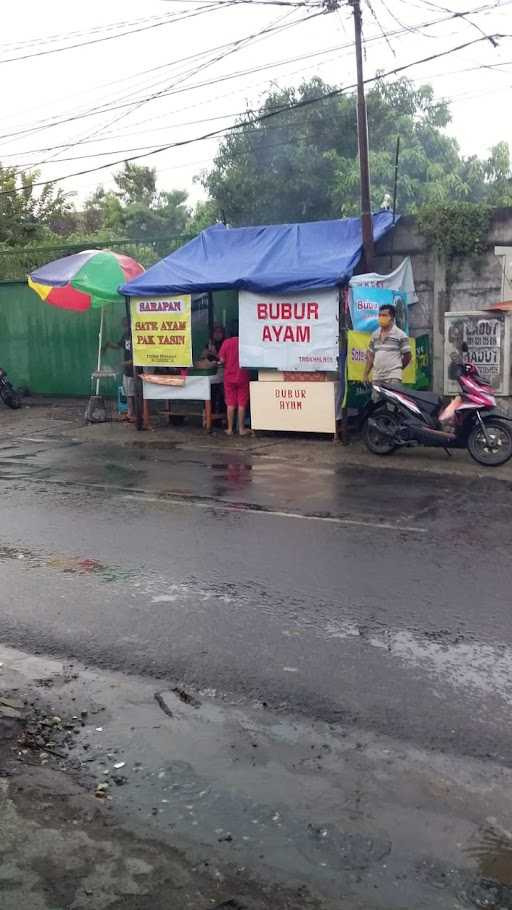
84,280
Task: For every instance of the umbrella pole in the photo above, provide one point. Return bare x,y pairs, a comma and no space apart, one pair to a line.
100,345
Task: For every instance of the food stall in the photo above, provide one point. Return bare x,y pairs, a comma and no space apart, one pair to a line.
288,280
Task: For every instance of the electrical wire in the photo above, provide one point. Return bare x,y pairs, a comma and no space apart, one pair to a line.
247,111
144,28
384,35
235,47
259,119
407,28
77,33
108,108
461,15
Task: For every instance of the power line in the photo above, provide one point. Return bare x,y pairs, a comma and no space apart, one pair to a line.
328,51
39,125
139,103
384,35
144,28
259,119
106,109
234,48
461,15
108,26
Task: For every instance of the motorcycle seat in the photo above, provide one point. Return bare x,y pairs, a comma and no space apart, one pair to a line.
428,398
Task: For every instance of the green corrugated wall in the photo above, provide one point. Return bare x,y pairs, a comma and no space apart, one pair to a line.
52,351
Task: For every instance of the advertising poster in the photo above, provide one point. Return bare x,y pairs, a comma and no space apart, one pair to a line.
357,347
484,335
423,363
161,331
292,332
365,303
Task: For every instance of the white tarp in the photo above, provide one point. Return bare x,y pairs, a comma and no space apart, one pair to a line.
295,332
401,279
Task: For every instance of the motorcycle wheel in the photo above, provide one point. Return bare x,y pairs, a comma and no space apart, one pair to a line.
500,437
376,442
10,397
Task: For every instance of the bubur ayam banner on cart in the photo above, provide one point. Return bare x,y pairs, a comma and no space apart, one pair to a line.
289,332
161,331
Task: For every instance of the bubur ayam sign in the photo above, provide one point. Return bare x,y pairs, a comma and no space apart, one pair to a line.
161,331
289,332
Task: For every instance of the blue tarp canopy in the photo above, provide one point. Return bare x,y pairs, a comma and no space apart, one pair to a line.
279,258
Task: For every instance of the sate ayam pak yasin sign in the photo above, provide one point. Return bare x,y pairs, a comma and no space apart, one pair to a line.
161,331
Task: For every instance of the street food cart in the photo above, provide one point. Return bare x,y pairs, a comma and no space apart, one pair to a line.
288,279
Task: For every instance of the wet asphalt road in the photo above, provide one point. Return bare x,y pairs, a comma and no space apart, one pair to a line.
362,596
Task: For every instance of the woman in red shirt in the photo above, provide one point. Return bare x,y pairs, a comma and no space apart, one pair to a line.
236,382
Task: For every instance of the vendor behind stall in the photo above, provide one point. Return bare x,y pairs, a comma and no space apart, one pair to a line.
211,351
210,357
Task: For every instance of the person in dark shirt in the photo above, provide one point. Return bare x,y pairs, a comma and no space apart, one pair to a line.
125,344
210,355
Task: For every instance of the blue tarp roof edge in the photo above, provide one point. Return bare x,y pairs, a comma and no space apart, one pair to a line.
270,258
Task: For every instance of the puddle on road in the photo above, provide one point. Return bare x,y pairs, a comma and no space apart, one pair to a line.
73,565
492,851
179,592
158,589
445,655
482,667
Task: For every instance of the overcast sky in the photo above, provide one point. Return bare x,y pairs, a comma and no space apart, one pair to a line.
198,92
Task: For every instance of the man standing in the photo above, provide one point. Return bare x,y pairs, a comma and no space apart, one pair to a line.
389,350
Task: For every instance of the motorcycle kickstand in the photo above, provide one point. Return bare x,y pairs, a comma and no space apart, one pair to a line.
448,453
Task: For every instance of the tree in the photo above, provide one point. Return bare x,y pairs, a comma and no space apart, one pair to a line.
301,164
27,212
137,210
136,184
498,175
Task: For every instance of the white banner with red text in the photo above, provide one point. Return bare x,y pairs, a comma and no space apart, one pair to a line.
290,331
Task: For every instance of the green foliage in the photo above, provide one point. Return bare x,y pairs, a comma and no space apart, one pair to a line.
455,230
301,164
136,184
137,210
26,211
36,227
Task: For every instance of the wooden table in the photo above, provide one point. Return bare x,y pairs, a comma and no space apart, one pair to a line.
195,388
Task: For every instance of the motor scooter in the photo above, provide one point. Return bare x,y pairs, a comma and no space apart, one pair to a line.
9,395
399,416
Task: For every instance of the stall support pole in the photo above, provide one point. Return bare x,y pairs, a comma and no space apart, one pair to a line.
395,191
138,400
362,139
100,345
211,315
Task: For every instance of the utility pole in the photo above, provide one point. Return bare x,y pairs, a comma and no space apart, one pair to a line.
362,141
